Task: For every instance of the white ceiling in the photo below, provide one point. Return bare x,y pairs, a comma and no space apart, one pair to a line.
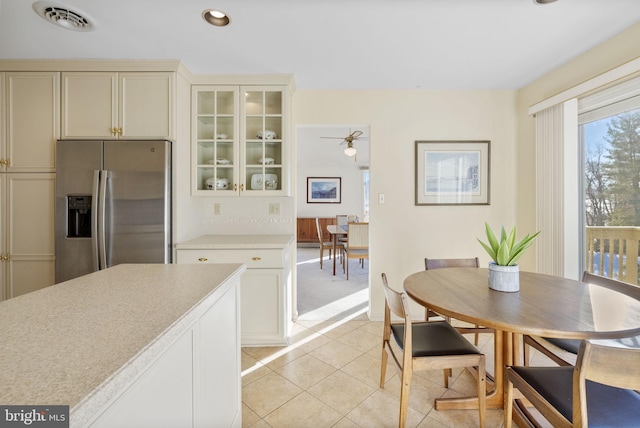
333,44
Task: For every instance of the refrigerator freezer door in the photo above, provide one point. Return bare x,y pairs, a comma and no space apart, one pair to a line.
76,162
138,202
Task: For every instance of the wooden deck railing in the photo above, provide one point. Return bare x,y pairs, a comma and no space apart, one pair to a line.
613,252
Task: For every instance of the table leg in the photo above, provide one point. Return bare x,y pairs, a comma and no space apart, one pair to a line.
503,353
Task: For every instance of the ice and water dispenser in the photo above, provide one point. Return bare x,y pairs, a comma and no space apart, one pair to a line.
79,216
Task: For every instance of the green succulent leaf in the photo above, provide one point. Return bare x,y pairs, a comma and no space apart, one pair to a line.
506,251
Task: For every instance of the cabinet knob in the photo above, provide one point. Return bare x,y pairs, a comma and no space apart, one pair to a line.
242,187
235,187
120,132
113,131
256,259
203,259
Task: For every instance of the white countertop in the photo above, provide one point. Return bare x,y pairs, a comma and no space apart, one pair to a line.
74,342
222,242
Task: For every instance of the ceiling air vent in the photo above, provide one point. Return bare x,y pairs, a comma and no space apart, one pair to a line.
63,16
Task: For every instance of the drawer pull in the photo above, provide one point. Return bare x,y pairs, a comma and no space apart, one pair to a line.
203,259
256,259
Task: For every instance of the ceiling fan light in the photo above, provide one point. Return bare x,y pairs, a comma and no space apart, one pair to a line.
350,150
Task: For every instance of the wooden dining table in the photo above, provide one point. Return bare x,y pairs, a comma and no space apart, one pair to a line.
335,231
546,305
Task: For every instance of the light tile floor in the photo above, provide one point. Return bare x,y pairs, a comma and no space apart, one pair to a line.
329,377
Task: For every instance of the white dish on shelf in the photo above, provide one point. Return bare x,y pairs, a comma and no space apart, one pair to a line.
222,136
270,181
266,161
267,135
220,161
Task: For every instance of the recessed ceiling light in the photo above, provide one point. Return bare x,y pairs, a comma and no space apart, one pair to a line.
543,1
63,16
216,17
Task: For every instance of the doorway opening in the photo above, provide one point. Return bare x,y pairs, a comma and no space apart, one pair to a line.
321,294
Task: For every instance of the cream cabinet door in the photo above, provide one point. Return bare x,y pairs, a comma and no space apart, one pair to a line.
28,232
32,121
89,105
146,105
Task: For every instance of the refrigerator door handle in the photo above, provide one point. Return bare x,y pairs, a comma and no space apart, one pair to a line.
102,196
94,220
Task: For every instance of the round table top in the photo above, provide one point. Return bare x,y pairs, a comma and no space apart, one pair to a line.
546,305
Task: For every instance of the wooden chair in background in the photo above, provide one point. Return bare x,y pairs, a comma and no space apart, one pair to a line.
599,391
564,351
323,245
432,345
357,246
450,263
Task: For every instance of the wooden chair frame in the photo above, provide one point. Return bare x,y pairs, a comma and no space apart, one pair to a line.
560,355
323,245
357,246
397,303
449,263
598,363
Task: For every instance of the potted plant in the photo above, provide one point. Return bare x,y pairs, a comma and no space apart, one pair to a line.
504,272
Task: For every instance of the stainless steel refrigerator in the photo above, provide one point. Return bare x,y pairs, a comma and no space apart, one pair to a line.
113,205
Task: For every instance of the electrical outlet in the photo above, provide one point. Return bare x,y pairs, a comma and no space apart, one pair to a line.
274,209
217,208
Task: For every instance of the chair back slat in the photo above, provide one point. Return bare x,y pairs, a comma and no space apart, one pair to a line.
358,235
342,220
449,263
610,365
394,299
319,230
612,284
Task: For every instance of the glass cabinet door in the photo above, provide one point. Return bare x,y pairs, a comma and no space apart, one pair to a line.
263,151
215,152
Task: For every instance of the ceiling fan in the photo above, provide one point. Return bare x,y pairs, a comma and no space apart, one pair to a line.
349,139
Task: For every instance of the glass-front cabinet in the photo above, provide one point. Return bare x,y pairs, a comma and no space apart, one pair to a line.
239,140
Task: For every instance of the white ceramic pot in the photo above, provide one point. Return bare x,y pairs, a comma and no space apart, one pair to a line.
504,278
217,183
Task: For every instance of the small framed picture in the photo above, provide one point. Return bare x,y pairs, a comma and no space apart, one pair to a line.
324,190
452,172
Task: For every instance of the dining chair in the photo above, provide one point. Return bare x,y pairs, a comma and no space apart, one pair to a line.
323,245
428,345
564,351
357,246
599,391
450,263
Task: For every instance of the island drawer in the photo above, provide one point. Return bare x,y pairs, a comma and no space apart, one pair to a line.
254,259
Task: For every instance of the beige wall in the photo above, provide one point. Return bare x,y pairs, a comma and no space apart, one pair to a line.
616,51
402,234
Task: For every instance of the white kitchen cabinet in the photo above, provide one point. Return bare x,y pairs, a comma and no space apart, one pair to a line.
240,140
27,254
29,112
32,122
112,105
265,286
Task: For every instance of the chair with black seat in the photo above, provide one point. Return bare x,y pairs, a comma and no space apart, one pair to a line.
564,351
323,244
599,391
425,346
450,263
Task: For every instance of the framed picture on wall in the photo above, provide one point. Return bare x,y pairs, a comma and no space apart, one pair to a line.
324,190
452,172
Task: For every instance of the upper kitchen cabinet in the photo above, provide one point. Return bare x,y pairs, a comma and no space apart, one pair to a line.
240,140
106,105
32,121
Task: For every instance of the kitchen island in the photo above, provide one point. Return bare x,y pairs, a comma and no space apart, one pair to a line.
133,345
